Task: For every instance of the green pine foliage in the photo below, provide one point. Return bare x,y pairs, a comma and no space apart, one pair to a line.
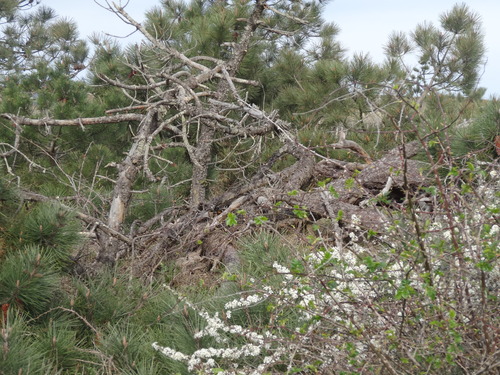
50,227
7,9
449,58
105,299
19,354
124,343
259,251
40,56
57,341
172,323
37,38
28,279
14,98
53,322
9,204
478,134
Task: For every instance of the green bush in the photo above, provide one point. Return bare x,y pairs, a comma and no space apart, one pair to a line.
57,341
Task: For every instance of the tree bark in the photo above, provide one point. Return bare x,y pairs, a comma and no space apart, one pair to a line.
82,122
122,192
203,155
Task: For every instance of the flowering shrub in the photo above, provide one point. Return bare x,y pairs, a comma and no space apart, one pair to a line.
419,298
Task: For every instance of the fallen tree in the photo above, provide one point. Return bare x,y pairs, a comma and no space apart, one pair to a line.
183,99
291,195
281,199
180,99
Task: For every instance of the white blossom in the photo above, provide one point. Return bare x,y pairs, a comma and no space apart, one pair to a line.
283,270
175,355
447,235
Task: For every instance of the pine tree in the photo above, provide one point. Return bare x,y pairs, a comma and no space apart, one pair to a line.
449,58
40,55
37,38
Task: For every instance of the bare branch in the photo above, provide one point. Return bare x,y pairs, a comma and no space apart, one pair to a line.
116,83
15,146
21,120
351,145
170,51
290,17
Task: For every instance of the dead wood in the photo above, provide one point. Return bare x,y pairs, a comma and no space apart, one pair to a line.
276,194
204,93
197,237
81,122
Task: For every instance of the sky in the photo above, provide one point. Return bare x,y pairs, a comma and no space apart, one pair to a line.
365,24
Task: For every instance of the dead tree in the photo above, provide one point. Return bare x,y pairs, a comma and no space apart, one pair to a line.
176,95
205,92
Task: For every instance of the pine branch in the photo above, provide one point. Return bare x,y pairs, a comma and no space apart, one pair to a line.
85,121
30,196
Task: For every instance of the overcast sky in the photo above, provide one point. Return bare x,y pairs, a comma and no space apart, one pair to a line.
365,24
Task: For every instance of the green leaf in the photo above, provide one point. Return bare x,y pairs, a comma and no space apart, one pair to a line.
313,239
297,266
405,290
299,212
323,183
231,219
333,192
465,189
452,313
259,220
431,292
349,183
340,214
454,171
373,265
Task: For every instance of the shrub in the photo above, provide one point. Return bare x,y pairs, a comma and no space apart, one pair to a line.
419,300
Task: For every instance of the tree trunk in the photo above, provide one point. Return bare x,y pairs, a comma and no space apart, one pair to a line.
122,192
203,155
